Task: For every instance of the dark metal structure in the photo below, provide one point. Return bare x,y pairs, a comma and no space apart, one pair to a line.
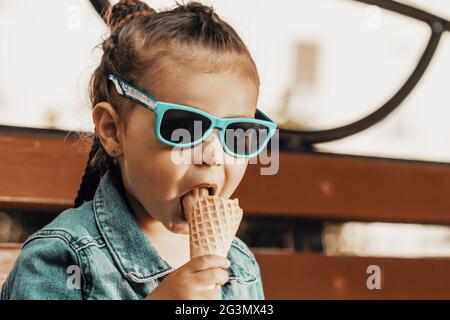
437,25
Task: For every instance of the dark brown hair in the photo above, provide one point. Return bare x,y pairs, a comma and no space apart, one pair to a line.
144,43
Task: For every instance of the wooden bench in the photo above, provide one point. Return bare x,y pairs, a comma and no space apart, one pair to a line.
41,169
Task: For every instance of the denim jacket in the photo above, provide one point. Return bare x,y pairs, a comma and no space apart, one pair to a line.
99,251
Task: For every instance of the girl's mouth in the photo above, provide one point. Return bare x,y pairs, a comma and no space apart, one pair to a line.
188,198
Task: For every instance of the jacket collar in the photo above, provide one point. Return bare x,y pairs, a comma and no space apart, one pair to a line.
135,256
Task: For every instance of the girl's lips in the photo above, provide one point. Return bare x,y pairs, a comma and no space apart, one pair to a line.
212,189
188,199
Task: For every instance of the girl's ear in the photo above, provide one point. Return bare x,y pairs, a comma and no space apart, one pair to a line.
108,128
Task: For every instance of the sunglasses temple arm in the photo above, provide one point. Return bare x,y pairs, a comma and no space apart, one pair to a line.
130,92
262,115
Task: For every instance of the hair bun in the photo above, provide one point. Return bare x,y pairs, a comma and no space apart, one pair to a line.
125,10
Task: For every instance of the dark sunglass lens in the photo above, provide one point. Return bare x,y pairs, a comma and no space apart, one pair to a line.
245,138
180,126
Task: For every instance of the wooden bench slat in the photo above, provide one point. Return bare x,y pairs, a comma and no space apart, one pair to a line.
40,172
314,276
349,188
44,171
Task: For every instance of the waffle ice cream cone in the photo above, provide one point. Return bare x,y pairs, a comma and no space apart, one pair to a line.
213,223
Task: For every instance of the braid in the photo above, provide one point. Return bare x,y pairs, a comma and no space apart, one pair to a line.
129,17
118,15
92,174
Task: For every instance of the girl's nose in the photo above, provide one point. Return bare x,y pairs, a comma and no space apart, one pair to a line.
212,150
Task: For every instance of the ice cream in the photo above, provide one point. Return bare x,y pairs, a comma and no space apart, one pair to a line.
213,222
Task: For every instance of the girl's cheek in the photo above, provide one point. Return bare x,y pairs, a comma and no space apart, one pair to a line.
167,174
234,174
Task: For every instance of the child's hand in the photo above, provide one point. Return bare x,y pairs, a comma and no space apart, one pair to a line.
195,280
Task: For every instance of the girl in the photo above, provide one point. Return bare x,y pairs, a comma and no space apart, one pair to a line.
162,73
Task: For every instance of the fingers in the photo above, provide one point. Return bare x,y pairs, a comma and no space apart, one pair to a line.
198,264
211,279
213,294
212,286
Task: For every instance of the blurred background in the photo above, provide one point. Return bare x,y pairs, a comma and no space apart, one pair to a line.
323,63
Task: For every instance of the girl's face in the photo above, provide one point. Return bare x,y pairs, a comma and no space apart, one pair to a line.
153,175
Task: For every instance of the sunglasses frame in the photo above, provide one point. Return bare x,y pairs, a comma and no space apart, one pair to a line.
149,102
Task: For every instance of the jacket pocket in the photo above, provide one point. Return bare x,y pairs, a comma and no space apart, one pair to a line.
239,274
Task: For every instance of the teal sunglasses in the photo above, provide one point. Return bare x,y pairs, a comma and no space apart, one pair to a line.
183,126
